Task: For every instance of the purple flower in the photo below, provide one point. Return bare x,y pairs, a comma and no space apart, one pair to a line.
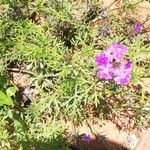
87,138
122,79
128,65
105,72
138,27
102,60
122,75
116,52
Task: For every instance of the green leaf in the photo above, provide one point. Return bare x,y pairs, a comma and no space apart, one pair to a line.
2,81
10,114
11,91
5,100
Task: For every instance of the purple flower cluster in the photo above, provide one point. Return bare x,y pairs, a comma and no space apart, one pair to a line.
113,66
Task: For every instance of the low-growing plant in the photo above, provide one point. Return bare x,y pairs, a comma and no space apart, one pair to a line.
56,50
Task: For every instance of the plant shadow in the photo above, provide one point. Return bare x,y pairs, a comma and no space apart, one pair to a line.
77,143
98,143
55,143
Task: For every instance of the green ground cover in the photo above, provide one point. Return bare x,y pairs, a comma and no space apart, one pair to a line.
55,44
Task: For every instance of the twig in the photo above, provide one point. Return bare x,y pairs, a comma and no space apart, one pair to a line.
30,73
20,71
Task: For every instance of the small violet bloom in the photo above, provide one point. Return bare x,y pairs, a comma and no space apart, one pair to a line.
102,60
138,27
122,76
87,138
105,72
128,65
116,52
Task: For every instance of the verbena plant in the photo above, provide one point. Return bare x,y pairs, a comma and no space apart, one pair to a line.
58,51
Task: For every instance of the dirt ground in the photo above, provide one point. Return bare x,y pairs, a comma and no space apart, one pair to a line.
109,137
